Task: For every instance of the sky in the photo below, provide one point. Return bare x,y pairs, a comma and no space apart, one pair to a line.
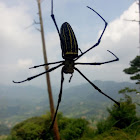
21,46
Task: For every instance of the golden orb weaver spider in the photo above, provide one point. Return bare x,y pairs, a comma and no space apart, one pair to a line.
70,49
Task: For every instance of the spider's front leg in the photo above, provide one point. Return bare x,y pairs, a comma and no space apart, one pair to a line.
53,18
99,40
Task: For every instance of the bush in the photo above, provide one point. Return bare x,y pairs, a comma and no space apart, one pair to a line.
124,115
74,130
37,128
119,117
32,129
103,125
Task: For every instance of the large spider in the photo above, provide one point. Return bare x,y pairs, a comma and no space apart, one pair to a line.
70,49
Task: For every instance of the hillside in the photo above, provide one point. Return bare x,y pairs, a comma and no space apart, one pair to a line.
19,103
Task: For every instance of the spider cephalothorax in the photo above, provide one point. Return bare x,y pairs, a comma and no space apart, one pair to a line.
70,49
68,67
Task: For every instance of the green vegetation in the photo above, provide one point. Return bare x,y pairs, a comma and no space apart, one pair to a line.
122,123
134,69
37,128
20,103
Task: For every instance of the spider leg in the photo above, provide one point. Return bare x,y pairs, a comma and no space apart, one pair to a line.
30,78
99,40
97,87
46,64
97,63
80,50
53,18
59,98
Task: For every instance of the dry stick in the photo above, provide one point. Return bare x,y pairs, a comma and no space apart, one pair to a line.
55,128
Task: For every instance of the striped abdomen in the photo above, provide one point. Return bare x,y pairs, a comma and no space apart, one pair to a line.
68,42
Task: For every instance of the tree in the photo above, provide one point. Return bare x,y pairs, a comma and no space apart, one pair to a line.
134,69
124,115
119,117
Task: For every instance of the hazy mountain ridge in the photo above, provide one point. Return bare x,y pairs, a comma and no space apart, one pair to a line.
84,100
18,103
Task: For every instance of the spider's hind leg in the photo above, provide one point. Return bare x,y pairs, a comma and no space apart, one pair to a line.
59,98
97,87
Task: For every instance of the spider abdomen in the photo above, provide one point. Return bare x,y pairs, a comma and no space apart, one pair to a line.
69,44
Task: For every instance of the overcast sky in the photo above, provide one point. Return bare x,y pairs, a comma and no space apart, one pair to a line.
21,47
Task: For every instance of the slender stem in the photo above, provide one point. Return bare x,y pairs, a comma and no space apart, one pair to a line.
55,128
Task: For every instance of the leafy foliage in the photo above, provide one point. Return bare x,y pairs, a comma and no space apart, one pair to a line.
37,128
119,117
122,123
124,115
134,69
32,128
126,90
75,129
19,103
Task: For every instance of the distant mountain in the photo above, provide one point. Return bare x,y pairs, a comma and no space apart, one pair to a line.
84,100
18,102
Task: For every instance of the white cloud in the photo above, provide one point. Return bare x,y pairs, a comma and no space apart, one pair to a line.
120,28
53,46
24,63
120,37
13,23
15,41
21,49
